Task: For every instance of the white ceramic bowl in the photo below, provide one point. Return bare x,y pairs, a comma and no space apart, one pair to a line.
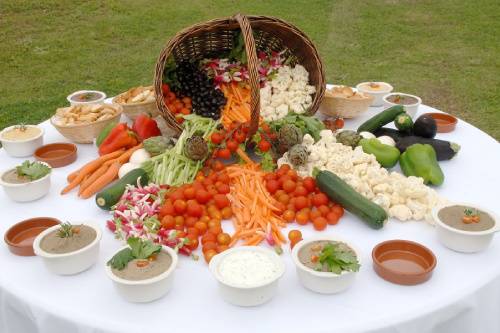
143,291
72,262
377,95
247,295
22,148
323,282
100,100
410,109
27,191
461,240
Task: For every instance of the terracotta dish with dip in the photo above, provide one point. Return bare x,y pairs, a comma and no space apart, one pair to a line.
403,262
20,236
57,154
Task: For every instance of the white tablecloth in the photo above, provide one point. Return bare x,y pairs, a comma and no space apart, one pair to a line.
462,296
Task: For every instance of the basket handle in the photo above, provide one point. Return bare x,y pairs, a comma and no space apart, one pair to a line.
252,63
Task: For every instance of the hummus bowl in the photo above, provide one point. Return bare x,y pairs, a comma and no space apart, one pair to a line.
72,262
21,146
467,241
319,281
376,89
147,290
247,275
27,191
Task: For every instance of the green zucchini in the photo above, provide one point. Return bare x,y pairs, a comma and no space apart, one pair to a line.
403,122
339,191
108,197
381,119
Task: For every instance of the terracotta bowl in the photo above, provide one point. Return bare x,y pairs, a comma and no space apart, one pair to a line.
403,262
445,122
57,154
20,236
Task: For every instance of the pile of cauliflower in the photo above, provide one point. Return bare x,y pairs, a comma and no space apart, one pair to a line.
403,198
288,90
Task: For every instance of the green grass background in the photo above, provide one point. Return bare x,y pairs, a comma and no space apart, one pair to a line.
445,51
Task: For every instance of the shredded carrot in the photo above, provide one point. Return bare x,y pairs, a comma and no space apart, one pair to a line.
237,108
256,213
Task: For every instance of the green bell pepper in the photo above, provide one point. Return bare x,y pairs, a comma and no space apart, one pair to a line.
420,160
104,133
386,155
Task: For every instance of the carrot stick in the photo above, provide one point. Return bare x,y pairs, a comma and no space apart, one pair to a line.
99,172
110,175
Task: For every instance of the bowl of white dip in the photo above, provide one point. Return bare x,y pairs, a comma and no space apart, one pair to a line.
247,275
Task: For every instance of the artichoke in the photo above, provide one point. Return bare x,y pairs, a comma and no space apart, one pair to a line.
288,136
297,155
348,138
196,148
157,145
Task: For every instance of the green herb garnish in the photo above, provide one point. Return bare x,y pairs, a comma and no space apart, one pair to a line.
21,127
32,170
65,230
338,257
138,249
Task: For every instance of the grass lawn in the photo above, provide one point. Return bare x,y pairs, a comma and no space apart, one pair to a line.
445,51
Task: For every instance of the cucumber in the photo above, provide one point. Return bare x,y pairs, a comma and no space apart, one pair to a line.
339,191
108,197
403,122
381,119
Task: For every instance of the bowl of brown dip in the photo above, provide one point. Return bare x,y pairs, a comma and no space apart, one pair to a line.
465,227
67,248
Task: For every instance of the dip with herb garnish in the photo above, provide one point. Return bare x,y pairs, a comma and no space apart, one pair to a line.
142,260
86,96
466,218
329,256
402,99
21,133
26,172
68,238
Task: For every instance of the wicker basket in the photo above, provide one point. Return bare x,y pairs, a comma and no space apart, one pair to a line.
260,33
343,107
86,133
132,110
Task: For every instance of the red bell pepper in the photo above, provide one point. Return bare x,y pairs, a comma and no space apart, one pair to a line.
145,127
119,137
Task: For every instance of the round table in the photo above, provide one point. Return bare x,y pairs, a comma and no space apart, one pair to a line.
462,296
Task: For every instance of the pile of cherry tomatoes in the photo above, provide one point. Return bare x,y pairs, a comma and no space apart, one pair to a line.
302,201
179,106
196,210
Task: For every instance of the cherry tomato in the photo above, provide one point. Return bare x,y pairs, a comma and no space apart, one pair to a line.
167,209
222,188
202,196
208,237
190,221
320,223
289,186
302,217
189,193
224,178
339,123
221,248
264,145
288,215
176,195
215,230
221,201
209,255
320,199
209,245
201,227
214,223
168,222
193,231
292,174
270,176
314,214
232,145
223,239
338,209
300,191
180,206
194,210
227,213
272,186
179,222
218,166
283,170
309,183
216,138
224,153
332,218
193,242
324,210
181,233
239,136
301,203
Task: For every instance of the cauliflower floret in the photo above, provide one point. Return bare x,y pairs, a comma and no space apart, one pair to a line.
401,212
417,209
382,200
307,140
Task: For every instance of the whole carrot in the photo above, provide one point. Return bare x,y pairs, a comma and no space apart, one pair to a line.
96,174
110,175
103,159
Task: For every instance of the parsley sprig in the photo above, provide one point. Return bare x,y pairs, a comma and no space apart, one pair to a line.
338,257
138,249
32,170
